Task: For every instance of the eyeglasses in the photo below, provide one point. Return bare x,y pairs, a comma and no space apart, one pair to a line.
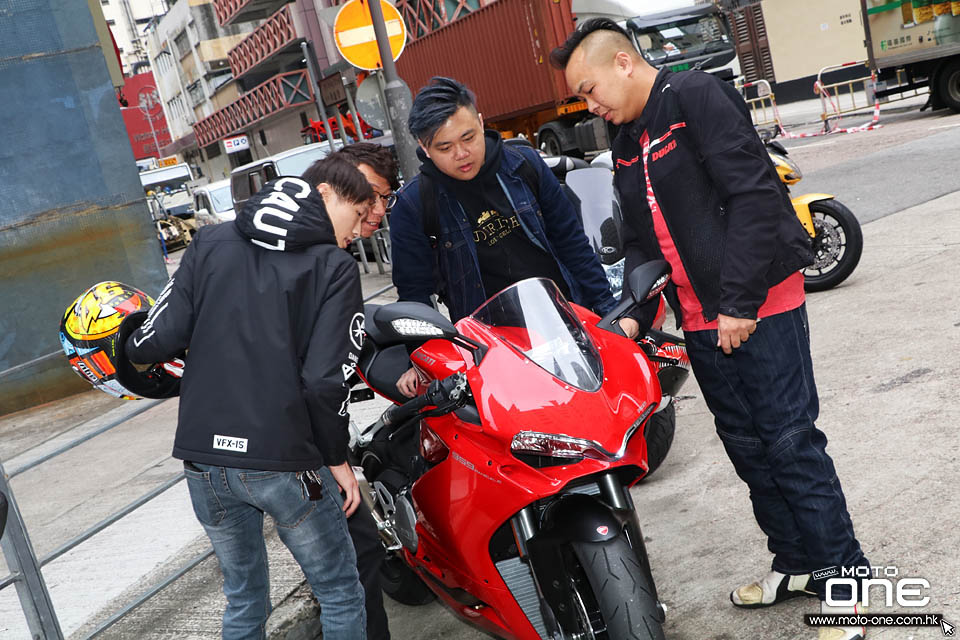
388,200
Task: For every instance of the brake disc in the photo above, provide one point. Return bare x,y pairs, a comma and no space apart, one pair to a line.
829,244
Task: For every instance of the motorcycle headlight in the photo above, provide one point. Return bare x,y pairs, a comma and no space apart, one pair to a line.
558,445
787,167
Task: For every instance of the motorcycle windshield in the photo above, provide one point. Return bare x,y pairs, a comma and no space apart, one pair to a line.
533,317
593,188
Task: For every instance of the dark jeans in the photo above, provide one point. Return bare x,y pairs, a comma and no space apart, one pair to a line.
764,401
370,556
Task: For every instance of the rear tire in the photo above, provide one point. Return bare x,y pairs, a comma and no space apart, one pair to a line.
401,583
550,143
659,436
621,590
948,85
838,245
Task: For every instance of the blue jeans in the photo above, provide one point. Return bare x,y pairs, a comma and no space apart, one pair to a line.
230,504
764,402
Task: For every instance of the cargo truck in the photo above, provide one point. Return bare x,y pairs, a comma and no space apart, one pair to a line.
501,52
915,43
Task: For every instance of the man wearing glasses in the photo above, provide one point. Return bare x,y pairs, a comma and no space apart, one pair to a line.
378,166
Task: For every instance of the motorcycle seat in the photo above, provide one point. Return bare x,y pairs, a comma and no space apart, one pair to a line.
381,362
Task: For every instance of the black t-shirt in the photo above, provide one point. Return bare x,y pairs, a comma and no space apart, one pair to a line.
505,253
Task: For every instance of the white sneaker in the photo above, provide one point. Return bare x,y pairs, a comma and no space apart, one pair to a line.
773,589
842,633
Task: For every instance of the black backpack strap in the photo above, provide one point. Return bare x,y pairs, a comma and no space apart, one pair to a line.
529,174
428,209
430,222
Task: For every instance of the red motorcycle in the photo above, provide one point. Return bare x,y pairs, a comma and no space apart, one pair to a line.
503,488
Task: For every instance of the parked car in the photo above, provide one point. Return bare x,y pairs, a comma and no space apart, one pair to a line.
213,203
247,179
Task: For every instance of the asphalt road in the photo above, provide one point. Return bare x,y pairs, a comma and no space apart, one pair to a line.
913,158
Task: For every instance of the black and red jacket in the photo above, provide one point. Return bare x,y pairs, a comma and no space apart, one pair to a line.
694,153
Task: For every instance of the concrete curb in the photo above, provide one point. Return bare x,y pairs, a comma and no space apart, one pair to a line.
297,617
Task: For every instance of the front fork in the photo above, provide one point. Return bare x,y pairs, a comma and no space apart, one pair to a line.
801,206
546,561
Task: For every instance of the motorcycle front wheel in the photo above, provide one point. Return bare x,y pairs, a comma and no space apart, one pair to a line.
658,433
836,247
612,595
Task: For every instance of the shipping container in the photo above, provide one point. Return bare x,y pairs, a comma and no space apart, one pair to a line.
501,51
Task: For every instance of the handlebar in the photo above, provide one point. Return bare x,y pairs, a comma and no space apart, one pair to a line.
450,392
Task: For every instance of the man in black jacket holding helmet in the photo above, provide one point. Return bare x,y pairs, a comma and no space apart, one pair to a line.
270,310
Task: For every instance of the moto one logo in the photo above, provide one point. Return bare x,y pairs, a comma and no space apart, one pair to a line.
822,574
908,591
659,153
230,444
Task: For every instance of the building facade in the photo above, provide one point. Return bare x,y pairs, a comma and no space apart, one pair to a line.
128,20
188,54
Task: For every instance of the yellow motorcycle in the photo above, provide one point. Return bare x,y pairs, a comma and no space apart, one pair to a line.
834,230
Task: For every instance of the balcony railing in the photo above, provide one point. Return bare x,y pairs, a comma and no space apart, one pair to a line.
237,11
277,33
277,94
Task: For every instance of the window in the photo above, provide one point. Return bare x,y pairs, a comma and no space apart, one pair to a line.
196,93
182,43
219,80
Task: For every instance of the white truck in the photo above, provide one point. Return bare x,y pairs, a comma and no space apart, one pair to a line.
915,43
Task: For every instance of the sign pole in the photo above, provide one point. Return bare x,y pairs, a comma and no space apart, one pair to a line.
353,109
398,101
315,80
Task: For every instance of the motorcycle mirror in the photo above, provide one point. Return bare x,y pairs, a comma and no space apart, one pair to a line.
644,283
411,321
3,513
647,281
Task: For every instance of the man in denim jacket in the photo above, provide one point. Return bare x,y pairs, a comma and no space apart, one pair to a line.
491,228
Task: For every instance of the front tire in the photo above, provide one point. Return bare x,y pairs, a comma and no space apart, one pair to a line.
837,245
621,593
659,436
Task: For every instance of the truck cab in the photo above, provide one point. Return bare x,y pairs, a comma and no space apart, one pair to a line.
686,36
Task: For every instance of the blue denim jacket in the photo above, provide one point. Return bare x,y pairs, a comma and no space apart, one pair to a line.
551,224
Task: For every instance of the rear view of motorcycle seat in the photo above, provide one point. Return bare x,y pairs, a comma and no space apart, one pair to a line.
382,363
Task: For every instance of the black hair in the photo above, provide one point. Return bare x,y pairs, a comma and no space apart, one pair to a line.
560,56
377,157
345,179
434,105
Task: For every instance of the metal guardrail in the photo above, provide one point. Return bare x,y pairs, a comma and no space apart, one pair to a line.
831,98
763,108
22,560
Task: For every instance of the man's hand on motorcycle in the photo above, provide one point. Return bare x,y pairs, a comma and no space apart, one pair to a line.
732,332
344,476
407,384
630,327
